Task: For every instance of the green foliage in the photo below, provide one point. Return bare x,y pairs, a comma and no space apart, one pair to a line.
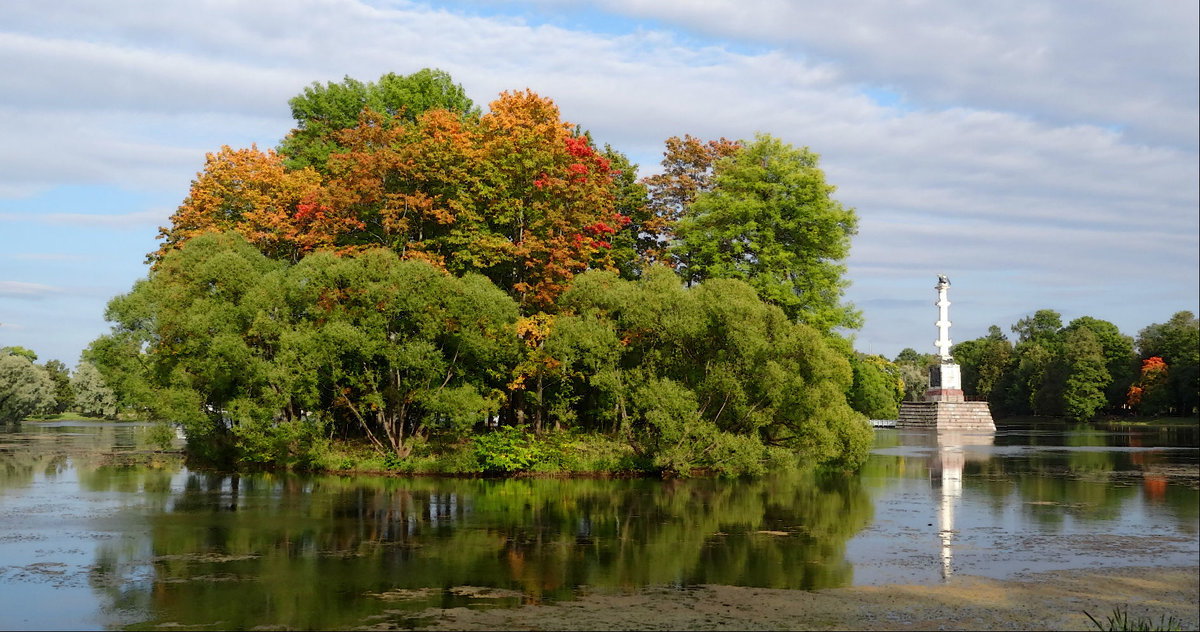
913,370
25,388
1177,342
984,362
257,357
1119,359
346,301
1041,328
162,435
1080,370
64,395
1087,377
704,377
28,354
321,111
770,220
92,396
878,387
506,450
1119,621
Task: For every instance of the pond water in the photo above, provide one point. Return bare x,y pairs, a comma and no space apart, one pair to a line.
91,536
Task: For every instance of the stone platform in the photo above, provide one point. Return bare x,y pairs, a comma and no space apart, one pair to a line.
946,415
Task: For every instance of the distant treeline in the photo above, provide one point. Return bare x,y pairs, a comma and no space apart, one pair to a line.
1079,371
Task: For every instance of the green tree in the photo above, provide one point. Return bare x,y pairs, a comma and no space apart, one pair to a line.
1120,362
1036,380
878,387
706,376
399,348
64,396
25,388
1086,375
92,396
913,369
1177,342
687,171
321,111
770,220
28,354
984,362
1041,328
256,358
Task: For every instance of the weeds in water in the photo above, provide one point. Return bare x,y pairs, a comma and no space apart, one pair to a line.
1119,620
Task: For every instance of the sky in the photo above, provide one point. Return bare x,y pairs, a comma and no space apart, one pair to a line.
1043,155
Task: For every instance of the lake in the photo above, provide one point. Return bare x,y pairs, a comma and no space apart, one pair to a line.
92,536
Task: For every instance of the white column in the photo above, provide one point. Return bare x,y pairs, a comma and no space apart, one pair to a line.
943,323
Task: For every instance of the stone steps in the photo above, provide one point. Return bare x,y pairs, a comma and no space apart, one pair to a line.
946,416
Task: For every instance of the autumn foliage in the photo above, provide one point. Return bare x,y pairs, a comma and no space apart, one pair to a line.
1150,385
516,194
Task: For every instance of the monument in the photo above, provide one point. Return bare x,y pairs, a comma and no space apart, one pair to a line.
944,406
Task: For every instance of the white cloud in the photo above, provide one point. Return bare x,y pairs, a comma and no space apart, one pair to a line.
1105,63
134,220
1039,152
22,290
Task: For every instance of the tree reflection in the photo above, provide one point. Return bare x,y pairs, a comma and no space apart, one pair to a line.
310,551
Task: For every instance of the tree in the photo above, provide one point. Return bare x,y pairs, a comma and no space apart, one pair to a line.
913,369
92,396
688,164
64,396
770,220
399,348
25,388
707,376
1177,343
1150,394
641,243
1041,328
258,358
519,195
322,111
878,387
28,354
1086,376
1120,362
250,191
984,362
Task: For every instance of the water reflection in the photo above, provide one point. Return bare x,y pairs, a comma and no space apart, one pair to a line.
1026,499
148,542
946,480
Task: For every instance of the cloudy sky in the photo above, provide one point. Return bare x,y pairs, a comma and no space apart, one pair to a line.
1040,156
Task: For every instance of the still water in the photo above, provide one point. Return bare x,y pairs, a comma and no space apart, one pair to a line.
91,537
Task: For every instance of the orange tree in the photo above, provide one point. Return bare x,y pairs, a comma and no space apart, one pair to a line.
251,192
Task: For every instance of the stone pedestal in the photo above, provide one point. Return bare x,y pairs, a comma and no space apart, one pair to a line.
945,383
945,408
947,416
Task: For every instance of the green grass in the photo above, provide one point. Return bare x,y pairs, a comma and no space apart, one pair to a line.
1119,621
555,453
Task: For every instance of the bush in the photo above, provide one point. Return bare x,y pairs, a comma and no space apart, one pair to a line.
508,449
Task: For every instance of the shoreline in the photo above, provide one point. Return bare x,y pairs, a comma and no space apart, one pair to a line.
1054,600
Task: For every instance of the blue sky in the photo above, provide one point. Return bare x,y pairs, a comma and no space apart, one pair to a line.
1041,156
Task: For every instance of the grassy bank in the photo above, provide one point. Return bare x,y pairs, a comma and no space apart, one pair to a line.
1191,421
497,453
